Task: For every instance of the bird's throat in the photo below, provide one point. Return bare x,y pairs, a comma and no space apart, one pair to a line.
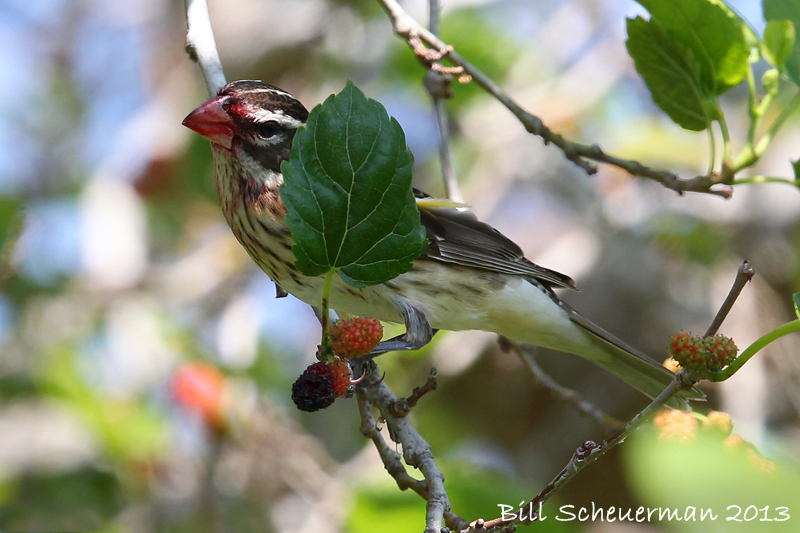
242,186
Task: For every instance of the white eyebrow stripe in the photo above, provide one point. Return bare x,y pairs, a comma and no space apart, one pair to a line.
272,91
265,115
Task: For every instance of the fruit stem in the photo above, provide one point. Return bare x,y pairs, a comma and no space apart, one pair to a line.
326,291
756,347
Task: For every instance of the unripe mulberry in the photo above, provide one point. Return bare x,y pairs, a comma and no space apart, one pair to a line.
355,337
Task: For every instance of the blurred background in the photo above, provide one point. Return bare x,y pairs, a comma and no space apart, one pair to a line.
146,367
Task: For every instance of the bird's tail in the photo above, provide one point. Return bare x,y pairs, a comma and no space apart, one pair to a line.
631,365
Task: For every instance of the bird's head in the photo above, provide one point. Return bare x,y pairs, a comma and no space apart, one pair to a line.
254,121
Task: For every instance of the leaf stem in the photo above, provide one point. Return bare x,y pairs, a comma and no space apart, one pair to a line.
749,157
753,109
726,138
787,111
764,179
326,292
712,148
756,347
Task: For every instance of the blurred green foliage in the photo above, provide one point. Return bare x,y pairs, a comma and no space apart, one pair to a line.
696,240
477,492
702,473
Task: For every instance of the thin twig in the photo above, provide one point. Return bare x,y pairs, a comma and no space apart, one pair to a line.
201,45
580,154
7,252
586,454
743,275
564,394
391,459
434,10
591,451
451,187
437,85
403,406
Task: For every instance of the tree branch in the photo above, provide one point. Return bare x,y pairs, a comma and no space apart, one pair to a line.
743,275
201,46
564,394
585,455
403,406
438,86
590,451
580,154
391,459
416,450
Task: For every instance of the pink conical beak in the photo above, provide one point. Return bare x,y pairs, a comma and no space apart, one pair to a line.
212,122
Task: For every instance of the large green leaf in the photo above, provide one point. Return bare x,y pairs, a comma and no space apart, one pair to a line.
779,37
348,193
671,75
788,10
712,34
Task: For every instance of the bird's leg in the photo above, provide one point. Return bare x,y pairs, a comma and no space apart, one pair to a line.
397,344
418,332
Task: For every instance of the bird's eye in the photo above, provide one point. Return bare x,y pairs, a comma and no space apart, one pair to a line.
268,129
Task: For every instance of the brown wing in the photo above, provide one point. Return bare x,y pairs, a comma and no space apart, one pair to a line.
458,237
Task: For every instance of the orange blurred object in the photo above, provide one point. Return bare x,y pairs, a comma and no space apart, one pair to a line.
199,387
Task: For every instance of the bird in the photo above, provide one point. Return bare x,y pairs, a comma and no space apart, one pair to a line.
469,277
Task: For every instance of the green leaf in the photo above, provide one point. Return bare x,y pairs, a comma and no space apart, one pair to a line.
347,192
796,168
778,41
713,35
670,74
786,10
796,299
